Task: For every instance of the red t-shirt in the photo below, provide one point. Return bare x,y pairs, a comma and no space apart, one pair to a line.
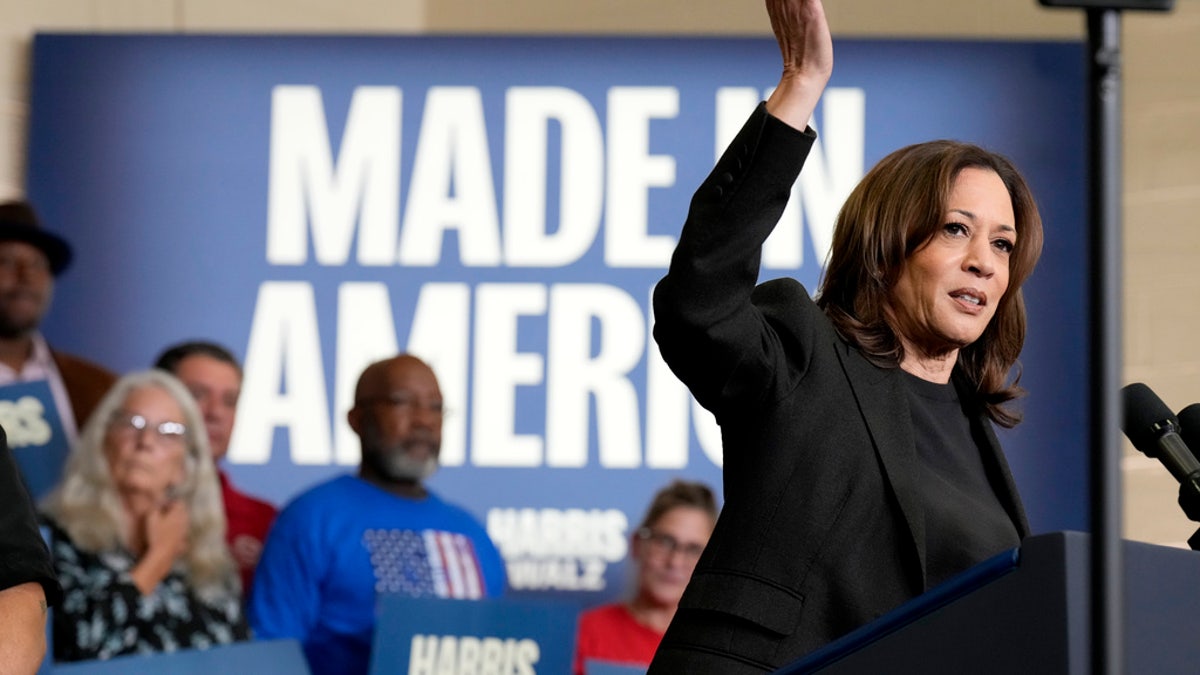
610,633
247,520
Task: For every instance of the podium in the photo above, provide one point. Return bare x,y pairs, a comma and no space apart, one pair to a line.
263,657
1026,611
431,636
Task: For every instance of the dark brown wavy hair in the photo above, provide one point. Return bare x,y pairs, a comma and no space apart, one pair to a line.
895,210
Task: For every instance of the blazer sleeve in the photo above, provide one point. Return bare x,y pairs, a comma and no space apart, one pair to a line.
23,553
711,334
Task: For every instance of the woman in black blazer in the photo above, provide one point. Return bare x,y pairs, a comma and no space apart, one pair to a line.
861,467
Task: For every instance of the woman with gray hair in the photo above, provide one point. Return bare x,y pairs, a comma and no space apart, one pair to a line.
137,530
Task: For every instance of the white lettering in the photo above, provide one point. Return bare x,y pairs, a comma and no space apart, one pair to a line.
25,423
469,661
528,116
304,185
451,186
471,655
528,653
576,376
569,533
493,653
499,369
632,171
422,655
448,655
284,353
835,164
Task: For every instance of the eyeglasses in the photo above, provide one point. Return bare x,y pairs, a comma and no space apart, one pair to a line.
665,545
406,403
132,424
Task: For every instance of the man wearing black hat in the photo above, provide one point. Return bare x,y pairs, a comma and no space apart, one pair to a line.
30,259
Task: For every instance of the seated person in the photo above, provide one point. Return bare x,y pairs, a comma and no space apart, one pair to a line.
27,583
338,545
664,550
137,531
214,377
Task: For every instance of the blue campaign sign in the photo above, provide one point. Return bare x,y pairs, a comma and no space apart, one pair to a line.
502,207
35,434
261,657
425,636
604,668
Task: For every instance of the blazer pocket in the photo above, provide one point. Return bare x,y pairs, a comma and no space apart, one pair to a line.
755,599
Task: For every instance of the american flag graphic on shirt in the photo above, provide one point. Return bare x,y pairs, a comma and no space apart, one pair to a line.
425,563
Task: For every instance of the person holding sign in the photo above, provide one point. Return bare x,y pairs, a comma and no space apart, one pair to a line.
137,530
44,393
860,463
664,550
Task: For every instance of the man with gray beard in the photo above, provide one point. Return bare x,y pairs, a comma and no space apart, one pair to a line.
338,545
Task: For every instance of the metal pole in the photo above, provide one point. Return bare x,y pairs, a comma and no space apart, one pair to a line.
1107,583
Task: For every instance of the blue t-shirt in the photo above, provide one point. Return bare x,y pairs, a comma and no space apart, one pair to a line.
340,544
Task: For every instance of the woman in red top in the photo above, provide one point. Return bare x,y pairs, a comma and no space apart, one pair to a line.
664,549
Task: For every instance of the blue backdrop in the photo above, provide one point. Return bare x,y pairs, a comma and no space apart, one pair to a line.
502,207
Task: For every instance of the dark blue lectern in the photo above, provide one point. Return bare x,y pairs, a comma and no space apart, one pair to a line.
266,657
1027,612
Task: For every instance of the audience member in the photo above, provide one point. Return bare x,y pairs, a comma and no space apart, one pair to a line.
337,546
664,550
30,259
27,581
214,377
137,530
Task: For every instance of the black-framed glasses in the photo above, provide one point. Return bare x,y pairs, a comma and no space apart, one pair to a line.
406,402
133,424
664,544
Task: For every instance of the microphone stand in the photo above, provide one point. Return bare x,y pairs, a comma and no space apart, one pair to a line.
1189,501
1104,113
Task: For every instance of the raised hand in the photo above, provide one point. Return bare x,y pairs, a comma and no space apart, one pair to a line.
807,50
166,529
166,535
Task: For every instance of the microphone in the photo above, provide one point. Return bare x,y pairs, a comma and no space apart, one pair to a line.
1154,430
1189,421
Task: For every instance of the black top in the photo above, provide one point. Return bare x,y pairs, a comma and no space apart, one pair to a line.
964,521
23,554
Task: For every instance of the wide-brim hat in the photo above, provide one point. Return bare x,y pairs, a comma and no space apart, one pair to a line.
19,222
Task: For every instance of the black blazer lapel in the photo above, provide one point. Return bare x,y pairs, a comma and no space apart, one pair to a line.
883,404
995,461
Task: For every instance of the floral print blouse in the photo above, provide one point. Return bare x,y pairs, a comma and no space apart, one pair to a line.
103,614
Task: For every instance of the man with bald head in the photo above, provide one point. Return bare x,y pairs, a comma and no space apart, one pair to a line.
338,545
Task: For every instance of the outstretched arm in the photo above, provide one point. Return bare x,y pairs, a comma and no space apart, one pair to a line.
711,334
807,49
